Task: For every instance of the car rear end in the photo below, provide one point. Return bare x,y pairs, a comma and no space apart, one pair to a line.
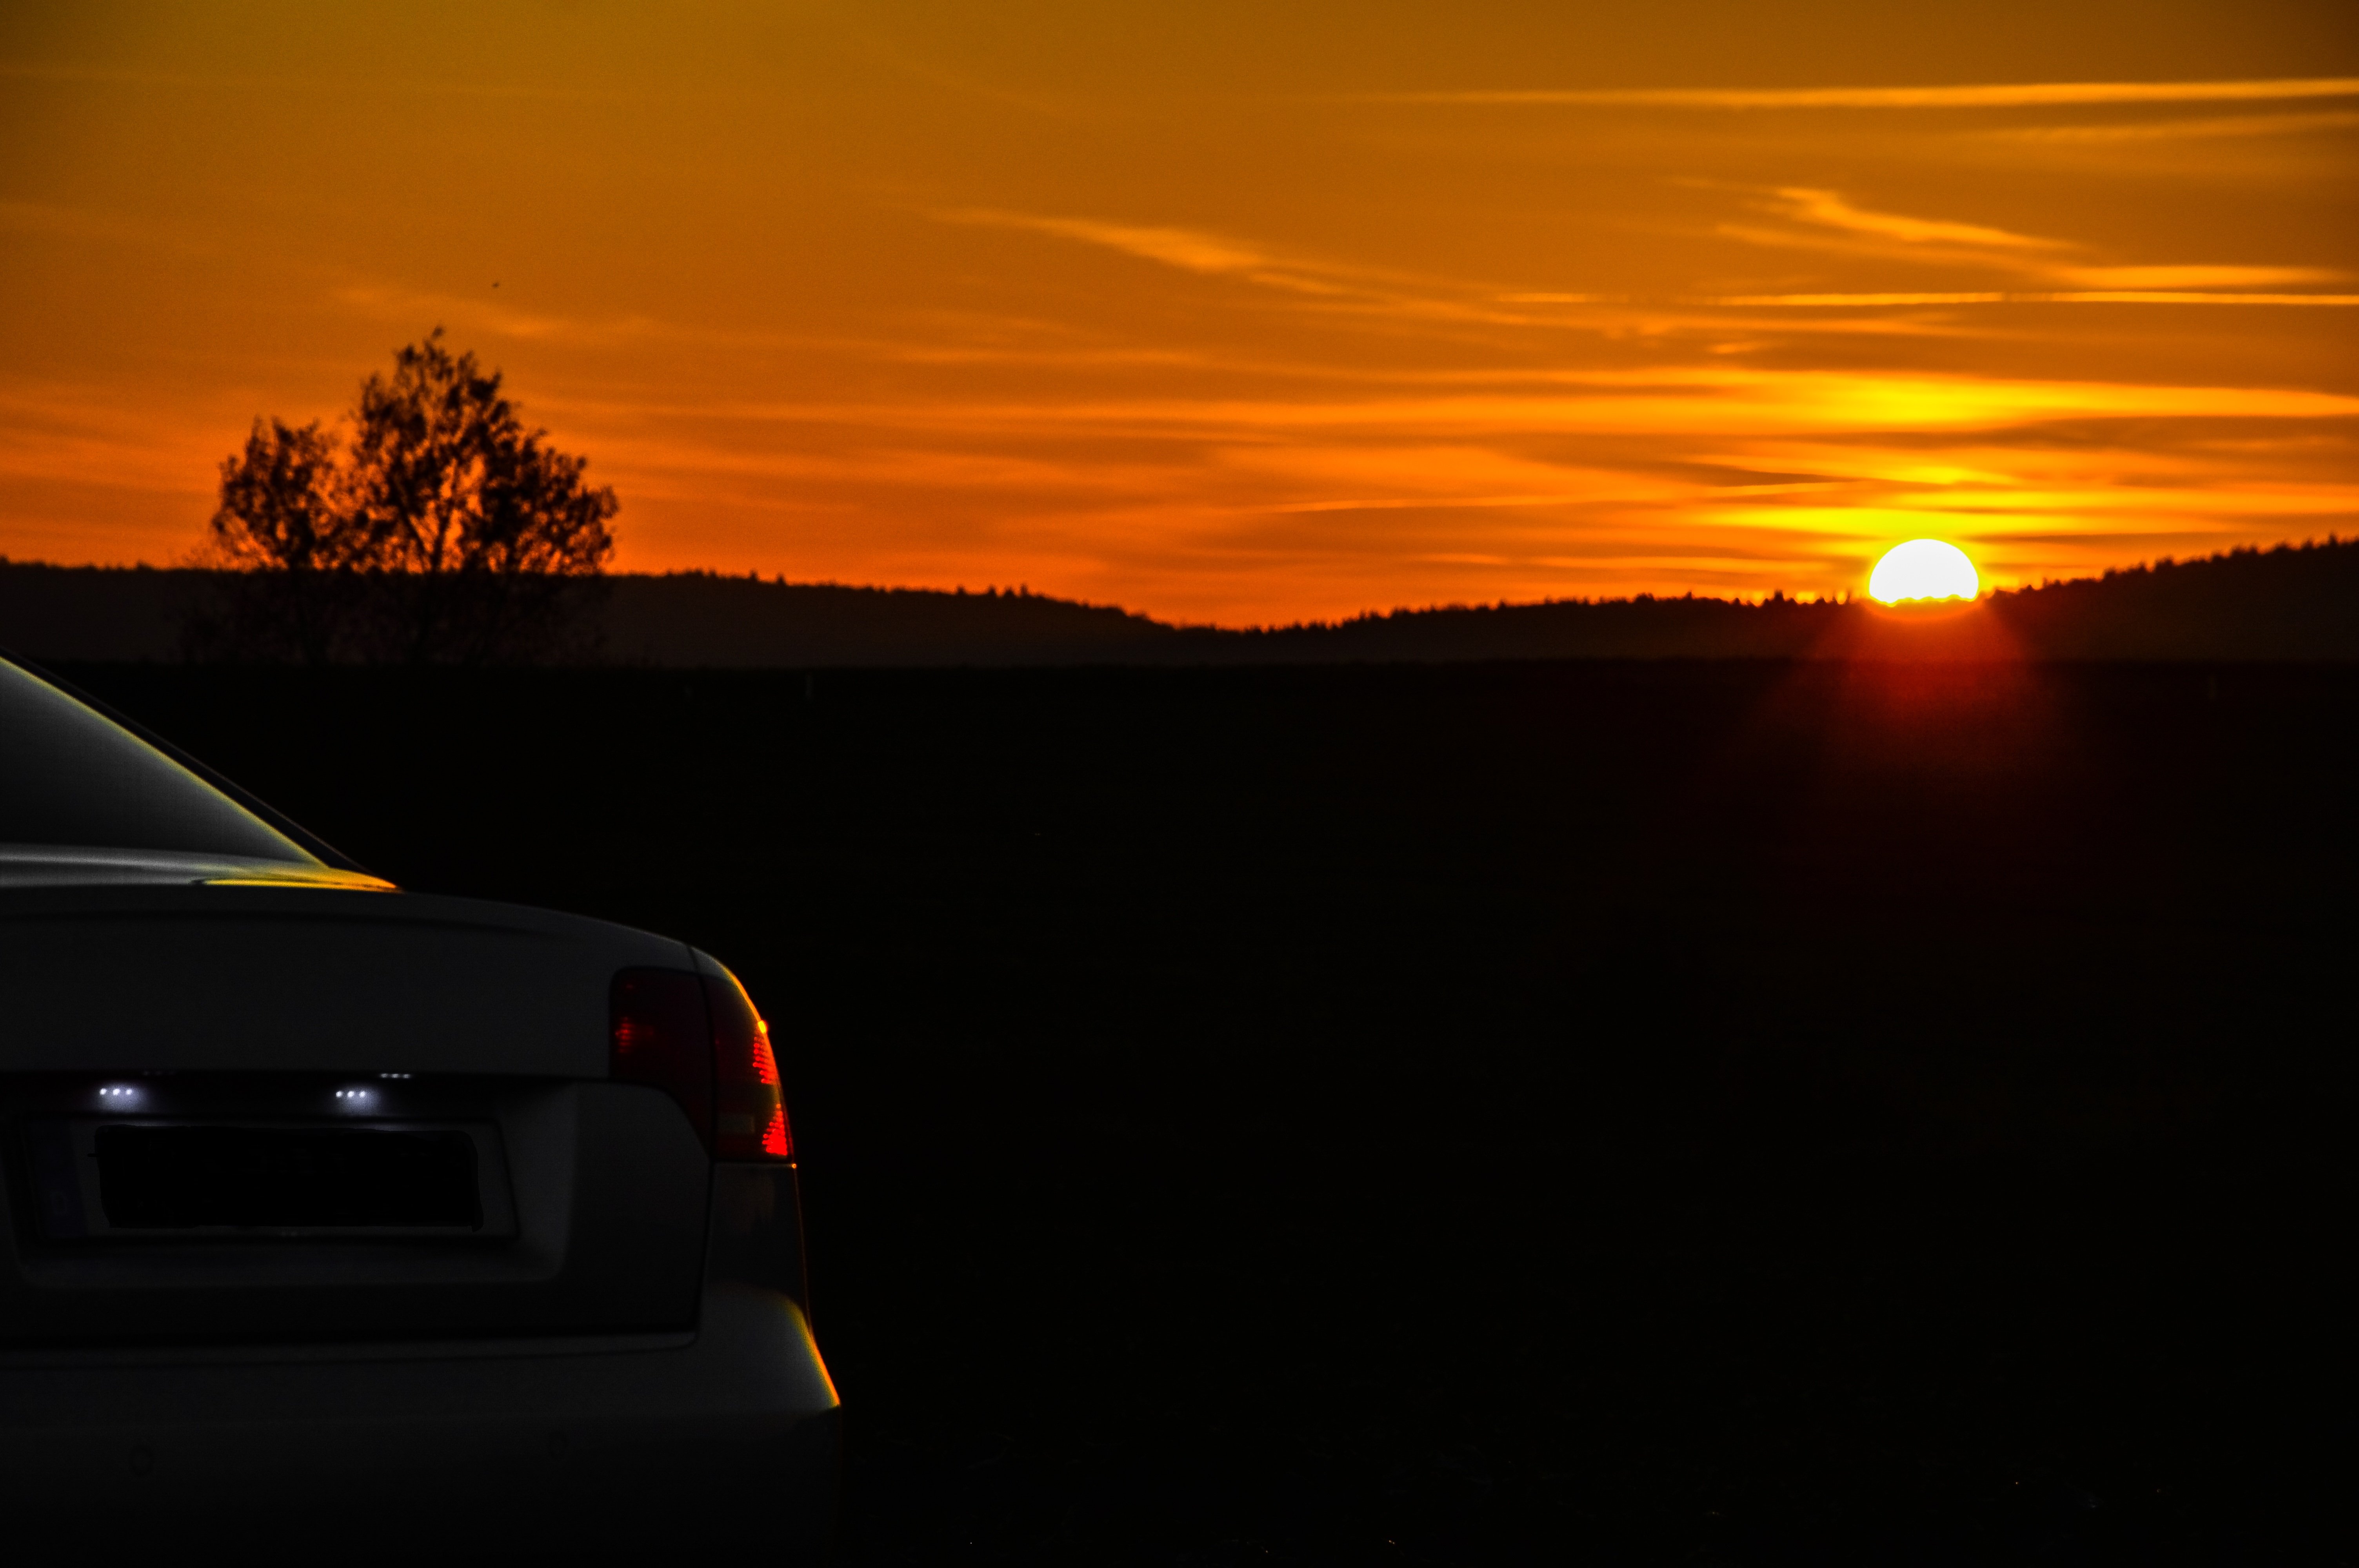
345,1223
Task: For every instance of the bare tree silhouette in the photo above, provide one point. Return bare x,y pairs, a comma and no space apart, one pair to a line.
447,531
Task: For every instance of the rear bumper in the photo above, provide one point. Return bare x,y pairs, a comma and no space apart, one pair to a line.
726,1439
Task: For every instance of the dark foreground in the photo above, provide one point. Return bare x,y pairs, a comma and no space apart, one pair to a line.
1678,1113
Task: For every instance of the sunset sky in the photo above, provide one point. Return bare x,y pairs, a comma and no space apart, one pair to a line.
1245,312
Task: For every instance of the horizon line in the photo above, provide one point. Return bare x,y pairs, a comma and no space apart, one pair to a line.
1842,599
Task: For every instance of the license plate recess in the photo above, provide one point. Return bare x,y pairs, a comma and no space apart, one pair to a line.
129,1179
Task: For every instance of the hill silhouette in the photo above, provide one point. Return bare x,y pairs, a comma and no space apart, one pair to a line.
2292,602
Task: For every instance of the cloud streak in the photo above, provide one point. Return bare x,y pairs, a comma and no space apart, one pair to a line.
1988,96
2021,297
1827,221
2220,127
1830,209
1193,250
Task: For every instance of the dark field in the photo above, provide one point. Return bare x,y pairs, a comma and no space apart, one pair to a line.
1713,1113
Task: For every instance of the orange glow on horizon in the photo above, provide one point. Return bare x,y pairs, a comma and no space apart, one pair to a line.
1228,314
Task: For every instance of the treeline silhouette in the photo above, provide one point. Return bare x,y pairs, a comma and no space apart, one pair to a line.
2291,602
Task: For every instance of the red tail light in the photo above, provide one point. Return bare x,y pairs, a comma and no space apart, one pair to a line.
699,1039
661,1038
749,1121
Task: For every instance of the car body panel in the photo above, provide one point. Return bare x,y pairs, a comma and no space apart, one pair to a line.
724,1439
160,978
611,1193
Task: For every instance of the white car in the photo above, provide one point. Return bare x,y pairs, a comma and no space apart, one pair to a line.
347,1222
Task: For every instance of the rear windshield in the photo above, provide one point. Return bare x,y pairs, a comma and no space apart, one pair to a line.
70,775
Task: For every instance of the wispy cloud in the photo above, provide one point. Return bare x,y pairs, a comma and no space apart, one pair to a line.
1825,220
2174,130
1329,286
1193,250
1828,208
1840,224
1186,248
1990,95
1802,218
2022,296
2197,276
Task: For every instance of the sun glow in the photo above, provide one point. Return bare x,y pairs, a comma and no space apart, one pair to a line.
1924,568
2078,320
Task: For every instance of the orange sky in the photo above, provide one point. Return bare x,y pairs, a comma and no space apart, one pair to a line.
1222,310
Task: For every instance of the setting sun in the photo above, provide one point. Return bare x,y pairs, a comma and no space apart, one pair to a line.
1924,568
1228,313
